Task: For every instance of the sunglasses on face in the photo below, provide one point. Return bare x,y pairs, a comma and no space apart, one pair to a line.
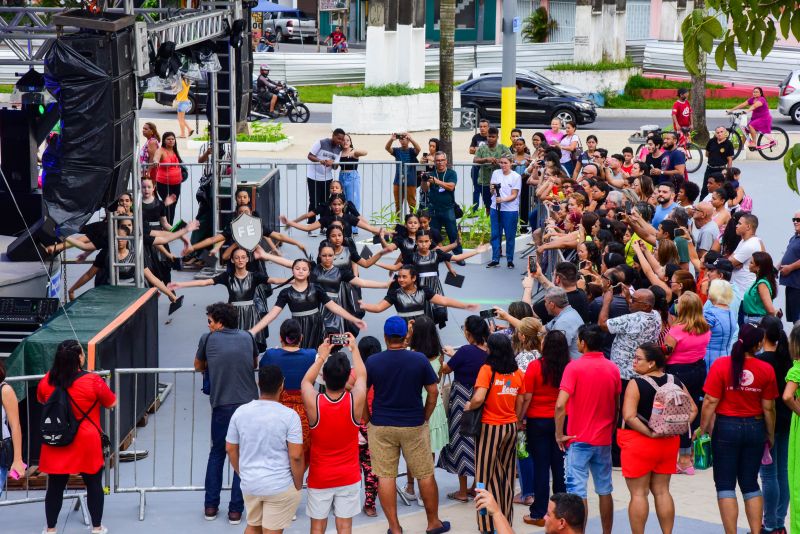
796,220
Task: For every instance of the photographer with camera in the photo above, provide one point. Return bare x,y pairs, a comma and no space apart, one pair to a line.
440,184
505,185
404,154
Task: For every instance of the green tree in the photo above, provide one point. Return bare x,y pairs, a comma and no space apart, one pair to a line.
447,33
537,26
753,26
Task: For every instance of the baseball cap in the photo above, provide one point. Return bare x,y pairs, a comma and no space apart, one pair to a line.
395,326
720,264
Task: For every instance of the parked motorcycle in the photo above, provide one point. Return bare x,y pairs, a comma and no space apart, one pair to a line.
288,104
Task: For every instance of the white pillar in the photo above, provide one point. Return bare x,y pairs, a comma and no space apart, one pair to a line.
669,25
585,49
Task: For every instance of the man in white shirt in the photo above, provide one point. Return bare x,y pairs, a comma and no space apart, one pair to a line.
707,231
265,446
505,185
746,228
324,154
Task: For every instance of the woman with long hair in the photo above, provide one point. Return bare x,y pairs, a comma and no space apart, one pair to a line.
87,393
739,414
774,476
423,338
458,456
686,345
542,380
495,445
791,397
294,362
721,319
348,173
757,302
721,215
10,430
527,343
168,176
149,148
648,461
305,300
338,214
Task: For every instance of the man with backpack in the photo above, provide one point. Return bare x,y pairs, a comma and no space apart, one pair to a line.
228,358
657,408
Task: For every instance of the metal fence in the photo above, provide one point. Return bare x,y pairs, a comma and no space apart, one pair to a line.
23,492
662,57
161,454
637,19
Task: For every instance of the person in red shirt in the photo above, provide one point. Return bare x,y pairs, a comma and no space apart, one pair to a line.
84,455
682,111
542,379
739,414
592,386
334,473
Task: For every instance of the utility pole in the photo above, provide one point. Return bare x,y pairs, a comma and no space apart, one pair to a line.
508,92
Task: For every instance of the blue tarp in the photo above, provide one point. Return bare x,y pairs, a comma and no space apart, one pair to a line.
269,6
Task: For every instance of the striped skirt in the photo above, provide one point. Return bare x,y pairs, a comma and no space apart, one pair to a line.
496,467
458,456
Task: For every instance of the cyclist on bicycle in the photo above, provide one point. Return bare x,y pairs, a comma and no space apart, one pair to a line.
682,112
760,121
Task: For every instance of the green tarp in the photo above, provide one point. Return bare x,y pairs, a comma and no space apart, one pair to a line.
84,318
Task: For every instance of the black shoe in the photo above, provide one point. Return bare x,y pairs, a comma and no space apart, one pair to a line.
492,264
461,263
511,265
175,306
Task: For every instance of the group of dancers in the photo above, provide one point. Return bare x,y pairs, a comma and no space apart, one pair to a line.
323,292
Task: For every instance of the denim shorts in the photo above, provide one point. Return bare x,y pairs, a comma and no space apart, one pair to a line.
581,459
184,106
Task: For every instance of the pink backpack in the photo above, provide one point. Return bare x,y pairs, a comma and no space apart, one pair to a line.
672,409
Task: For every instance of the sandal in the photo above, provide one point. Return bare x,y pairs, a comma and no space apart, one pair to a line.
518,499
440,530
370,511
452,496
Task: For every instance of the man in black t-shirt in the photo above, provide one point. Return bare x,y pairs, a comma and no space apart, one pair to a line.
477,140
566,277
719,151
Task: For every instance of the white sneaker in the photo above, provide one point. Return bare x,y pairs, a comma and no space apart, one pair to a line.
407,495
419,500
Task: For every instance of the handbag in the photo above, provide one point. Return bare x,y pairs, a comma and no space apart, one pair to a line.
445,387
458,211
105,441
471,419
184,173
575,155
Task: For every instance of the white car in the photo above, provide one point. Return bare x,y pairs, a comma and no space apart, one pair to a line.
293,24
789,99
569,89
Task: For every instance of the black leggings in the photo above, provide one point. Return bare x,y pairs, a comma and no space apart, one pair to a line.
55,497
317,194
164,191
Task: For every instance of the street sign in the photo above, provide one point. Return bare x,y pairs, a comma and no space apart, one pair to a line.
516,25
247,231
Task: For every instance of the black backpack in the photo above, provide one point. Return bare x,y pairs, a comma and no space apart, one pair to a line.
58,424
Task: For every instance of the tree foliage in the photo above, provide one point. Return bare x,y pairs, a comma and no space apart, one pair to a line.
537,26
754,25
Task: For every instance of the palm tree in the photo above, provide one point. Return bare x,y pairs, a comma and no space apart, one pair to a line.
447,30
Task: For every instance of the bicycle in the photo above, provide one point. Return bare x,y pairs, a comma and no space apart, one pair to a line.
771,146
694,154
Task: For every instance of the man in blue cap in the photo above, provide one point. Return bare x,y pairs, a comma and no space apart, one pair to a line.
399,423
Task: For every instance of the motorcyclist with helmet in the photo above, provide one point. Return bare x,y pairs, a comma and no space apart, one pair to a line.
267,89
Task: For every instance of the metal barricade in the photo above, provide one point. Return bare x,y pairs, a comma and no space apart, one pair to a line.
29,425
168,463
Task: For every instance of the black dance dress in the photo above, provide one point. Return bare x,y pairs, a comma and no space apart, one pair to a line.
349,295
428,276
347,221
306,309
102,277
323,209
151,220
331,281
409,305
241,293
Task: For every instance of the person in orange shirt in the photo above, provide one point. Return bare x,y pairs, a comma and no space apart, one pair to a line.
499,389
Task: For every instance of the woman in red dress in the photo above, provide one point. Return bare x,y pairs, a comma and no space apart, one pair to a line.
85,454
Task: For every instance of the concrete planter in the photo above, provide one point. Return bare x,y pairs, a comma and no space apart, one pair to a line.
594,81
388,114
247,146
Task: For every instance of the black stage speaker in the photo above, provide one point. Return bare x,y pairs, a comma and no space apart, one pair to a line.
31,206
24,249
111,51
18,151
